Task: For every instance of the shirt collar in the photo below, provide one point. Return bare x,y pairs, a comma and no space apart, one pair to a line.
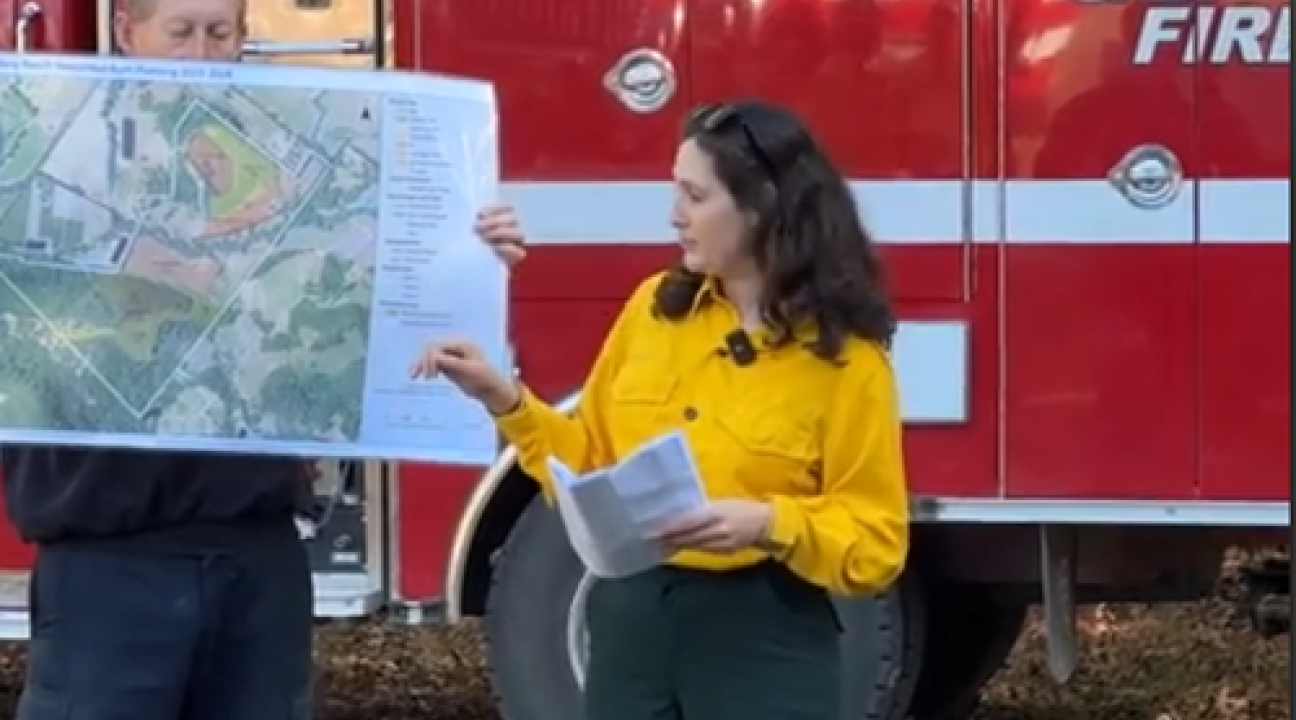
707,292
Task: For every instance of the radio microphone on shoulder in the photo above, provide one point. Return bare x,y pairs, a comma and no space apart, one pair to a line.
739,346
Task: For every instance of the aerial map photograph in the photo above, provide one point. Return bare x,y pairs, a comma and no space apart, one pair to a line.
175,260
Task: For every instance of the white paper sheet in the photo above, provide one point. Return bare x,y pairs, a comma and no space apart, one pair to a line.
610,515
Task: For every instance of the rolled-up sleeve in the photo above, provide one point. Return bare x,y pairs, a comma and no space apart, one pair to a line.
853,537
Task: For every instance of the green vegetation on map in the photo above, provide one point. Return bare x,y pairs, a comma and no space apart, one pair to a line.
185,260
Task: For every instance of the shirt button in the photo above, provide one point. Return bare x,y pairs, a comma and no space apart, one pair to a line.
690,414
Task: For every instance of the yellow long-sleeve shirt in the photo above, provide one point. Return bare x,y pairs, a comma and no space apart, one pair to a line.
820,442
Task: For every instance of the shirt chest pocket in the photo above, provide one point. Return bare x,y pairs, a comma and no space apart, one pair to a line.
642,396
775,448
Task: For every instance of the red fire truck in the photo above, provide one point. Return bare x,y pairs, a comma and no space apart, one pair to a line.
1085,206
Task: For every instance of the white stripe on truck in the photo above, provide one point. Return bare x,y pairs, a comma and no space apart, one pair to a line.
940,212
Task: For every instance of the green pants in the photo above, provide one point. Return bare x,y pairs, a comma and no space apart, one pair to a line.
674,644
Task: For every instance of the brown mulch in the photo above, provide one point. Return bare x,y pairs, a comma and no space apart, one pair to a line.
1185,662
1170,662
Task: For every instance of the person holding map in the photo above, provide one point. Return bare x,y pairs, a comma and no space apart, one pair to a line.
768,348
172,586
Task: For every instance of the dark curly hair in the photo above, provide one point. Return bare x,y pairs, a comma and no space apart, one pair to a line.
818,263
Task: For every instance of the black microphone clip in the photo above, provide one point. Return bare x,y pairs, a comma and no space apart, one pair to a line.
739,346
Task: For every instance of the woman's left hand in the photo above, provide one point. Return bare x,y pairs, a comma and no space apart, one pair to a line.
724,526
498,227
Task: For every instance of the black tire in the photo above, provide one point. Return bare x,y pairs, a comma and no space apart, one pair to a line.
536,575
970,635
532,584
883,640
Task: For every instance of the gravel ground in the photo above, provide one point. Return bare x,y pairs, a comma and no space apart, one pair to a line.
1190,662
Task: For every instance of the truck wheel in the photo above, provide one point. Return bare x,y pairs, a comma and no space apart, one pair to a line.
882,642
970,635
536,585
535,632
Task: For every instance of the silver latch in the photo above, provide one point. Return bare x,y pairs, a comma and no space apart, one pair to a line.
340,46
642,80
1149,176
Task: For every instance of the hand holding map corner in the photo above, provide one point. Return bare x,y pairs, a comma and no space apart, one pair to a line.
497,225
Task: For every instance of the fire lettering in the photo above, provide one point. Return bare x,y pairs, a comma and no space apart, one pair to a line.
1215,35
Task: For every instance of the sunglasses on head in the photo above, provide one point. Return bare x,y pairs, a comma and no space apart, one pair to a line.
715,118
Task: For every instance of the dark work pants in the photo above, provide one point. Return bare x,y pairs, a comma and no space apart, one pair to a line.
673,644
135,636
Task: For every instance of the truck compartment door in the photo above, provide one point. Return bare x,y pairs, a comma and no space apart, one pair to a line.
1100,284
1244,235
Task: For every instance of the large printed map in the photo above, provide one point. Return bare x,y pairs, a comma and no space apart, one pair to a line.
185,259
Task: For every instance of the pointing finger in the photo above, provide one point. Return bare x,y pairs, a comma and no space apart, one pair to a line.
423,368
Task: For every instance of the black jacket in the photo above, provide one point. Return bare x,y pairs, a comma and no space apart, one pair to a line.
180,501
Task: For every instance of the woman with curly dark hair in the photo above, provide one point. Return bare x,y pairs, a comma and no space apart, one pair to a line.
767,347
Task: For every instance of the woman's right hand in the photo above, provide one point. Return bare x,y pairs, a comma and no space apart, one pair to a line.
464,365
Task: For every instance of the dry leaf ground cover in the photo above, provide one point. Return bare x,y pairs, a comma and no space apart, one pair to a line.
1187,662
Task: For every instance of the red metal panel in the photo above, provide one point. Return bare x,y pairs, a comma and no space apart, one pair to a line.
1100,333
430,500
1245,446
1245,135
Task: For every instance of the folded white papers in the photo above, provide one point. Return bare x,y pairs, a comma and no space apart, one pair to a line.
611,514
